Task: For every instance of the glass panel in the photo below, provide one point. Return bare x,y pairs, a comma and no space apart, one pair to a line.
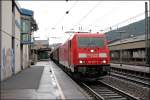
90,41
25,26
25,38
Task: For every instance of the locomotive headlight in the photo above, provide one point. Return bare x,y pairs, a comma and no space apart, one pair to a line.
82,55
102,55
92,50
104,61
80,61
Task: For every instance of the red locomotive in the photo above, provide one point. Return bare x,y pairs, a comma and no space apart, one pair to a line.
84,55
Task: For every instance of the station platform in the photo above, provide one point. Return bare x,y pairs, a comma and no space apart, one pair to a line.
45,80
132,67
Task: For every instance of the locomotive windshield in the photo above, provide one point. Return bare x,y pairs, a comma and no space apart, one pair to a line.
90,42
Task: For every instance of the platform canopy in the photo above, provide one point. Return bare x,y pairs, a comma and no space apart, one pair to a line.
26,12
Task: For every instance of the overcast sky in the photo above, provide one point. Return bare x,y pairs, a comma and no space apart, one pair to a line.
95,15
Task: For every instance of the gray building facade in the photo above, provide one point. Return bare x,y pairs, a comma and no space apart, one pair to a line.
10,40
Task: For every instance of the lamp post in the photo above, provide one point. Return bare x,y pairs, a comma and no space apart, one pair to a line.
120,32
147,37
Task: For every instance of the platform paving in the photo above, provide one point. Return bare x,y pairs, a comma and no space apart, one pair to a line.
27,79
70,89
45,80
32,83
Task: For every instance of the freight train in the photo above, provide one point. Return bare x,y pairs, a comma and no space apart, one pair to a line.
85,55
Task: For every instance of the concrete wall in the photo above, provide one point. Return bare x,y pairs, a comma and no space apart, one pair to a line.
10,40
25,56
13,58
0,33
6,39
17,40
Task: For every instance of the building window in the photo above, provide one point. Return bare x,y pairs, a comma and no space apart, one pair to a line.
25,26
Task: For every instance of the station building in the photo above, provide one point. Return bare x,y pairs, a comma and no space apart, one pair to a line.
128,51
40,50
28,26
11,50
128,44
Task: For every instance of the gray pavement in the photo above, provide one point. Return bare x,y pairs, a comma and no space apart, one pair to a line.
32,83
27,79
45,80
69,88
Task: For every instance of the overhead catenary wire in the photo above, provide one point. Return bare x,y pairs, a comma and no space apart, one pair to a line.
67,12
73,5
116,25
109,12
87,14
104,15
101,17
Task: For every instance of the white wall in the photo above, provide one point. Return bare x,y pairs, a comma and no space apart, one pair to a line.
10,56
6,36
10,28
25,56
17,41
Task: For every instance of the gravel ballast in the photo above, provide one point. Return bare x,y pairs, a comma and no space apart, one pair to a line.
143,93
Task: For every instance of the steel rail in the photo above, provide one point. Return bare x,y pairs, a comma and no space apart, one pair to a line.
127,95
103,91
131,78
92,92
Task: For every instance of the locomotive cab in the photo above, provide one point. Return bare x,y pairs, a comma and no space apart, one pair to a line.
91,54
85,55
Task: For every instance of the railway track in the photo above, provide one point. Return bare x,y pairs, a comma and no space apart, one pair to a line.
103,91
132,78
